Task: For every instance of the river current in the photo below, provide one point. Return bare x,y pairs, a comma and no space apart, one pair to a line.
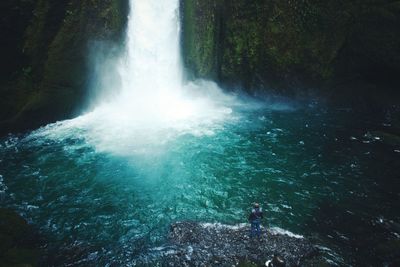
330,175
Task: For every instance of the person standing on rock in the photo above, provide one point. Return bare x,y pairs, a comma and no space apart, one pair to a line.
255,220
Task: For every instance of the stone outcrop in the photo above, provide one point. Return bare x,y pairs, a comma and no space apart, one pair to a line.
45,68
340,49
19,243
203,244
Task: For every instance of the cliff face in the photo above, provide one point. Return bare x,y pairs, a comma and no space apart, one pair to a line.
45,70
289,46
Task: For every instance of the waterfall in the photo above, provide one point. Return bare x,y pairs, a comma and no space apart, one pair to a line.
151,104
153,57
153,93
151,72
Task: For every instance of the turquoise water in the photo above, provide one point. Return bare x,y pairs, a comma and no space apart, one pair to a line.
327,174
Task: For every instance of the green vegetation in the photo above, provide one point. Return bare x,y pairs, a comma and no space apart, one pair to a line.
293,45
201,31
340,49
54,41
17,247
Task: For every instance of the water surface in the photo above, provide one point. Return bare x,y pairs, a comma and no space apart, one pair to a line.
329,175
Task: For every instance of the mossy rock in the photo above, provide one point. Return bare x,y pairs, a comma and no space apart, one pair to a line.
21,257
16,246
13,228
52,80
295,47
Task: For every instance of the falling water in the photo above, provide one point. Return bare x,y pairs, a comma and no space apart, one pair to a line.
153,91
151,72
105,186
154,105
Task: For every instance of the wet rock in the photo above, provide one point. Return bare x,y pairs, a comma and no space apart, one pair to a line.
349,48
71,254
18,241
202,244
47,53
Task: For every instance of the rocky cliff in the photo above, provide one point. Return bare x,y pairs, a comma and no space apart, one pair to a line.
19,241
340,49
45,55
294,46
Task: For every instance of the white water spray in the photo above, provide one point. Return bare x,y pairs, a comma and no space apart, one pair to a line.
151,74
154,105
153,94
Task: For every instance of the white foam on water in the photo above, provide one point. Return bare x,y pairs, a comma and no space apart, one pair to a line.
224,226
154,104
279,231
273,230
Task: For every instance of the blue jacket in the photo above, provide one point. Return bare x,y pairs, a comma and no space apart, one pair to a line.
256,214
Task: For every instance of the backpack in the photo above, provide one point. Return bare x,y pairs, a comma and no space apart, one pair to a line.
256,214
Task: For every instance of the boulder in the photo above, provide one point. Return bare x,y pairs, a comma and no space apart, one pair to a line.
205,244
18,241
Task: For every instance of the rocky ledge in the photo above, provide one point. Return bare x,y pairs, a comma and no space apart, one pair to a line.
205,244
19,241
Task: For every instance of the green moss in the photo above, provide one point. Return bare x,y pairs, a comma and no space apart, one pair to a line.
34,35
200,41
15,248
300,44
21,257
53,83
12,228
